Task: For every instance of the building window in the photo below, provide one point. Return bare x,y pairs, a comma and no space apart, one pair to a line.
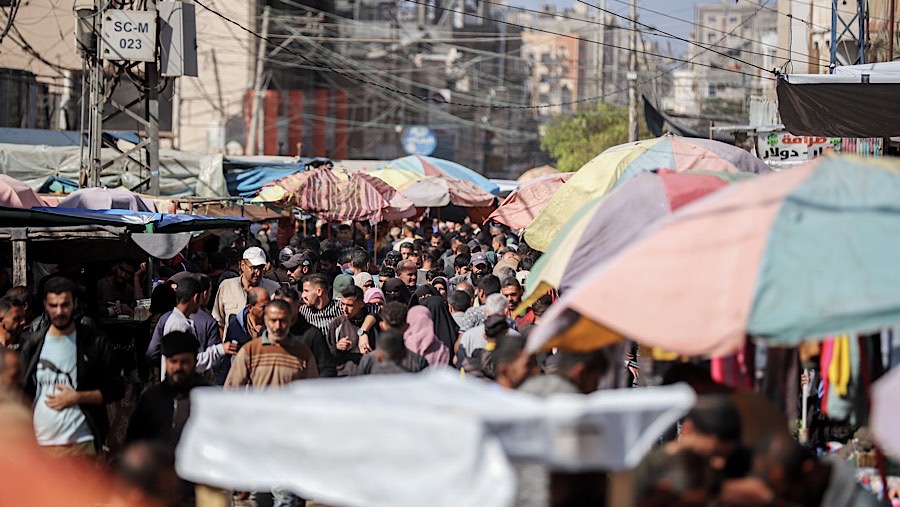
711,19
711,90
733,20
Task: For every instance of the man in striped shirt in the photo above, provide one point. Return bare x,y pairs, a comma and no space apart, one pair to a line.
319,307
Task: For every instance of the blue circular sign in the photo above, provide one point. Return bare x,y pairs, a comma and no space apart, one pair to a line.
419,141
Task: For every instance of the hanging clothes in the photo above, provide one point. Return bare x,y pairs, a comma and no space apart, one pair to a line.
849,374
737,370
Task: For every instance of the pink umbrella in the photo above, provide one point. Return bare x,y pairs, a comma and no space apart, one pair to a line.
525,202
17,194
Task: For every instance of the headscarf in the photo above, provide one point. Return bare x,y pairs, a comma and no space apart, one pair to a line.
420,338
422,293
441,280
373,294
445,327
361,278
395,290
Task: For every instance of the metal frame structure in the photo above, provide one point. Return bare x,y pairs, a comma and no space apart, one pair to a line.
856,29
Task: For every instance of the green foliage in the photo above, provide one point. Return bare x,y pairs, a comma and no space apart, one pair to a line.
574,140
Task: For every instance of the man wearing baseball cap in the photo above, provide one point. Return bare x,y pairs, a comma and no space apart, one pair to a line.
232,295
281,274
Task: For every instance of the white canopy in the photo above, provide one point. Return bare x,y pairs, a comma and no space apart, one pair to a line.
432,439
885,72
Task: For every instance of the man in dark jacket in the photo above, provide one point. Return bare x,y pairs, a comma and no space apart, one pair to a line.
163,409
71,374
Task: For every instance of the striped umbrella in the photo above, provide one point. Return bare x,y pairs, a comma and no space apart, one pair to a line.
620,163
434,192
438,167
333,195
606,225
802,254
524,203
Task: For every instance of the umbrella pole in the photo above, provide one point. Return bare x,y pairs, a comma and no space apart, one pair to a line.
375,244
804,432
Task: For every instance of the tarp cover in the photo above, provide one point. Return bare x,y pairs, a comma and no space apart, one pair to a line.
855,101
431,439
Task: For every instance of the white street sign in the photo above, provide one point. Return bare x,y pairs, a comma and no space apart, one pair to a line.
129,35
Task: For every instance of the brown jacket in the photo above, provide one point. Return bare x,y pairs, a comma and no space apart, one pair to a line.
261,363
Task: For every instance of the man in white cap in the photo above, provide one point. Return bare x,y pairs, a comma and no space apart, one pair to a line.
232,295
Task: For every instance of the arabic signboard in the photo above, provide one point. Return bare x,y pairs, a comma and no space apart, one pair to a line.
781,146
419,140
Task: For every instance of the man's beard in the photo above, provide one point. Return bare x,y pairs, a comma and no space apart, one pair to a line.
177,378
62,322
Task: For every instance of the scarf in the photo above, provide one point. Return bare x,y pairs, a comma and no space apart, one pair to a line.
420,338
445,326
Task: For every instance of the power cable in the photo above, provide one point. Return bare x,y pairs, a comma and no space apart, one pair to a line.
10,19
667,34
426,99
675,59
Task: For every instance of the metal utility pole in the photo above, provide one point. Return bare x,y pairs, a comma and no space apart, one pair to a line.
151,74
89,20
891,31
255,135
601,53
632,78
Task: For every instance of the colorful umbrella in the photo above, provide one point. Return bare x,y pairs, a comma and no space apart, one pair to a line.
434,192
523,204
806,253
536,172
885,412
619,163
430,166
333,195
17,194
606,225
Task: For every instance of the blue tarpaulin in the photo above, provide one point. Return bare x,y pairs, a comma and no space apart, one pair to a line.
139,220
245,179
57,185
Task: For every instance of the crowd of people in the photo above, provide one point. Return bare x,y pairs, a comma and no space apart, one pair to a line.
254,314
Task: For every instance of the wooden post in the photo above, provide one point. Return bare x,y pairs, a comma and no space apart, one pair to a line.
20,256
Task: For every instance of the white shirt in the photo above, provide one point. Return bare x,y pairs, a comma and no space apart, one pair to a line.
58,366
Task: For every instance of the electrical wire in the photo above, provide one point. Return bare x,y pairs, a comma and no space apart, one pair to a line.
459,104
675,59
667,34
10,19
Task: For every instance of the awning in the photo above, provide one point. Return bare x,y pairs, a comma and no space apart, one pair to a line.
855,101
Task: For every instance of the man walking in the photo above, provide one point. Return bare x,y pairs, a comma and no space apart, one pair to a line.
71,375
232,295
346,338
319,308
12,322
163,409
276,358
308,334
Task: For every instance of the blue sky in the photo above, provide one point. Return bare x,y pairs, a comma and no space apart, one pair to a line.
678,8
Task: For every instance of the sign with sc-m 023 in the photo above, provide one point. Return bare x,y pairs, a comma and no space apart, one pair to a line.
129,35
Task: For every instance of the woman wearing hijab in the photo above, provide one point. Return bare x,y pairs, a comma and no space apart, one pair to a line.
364,281
374,297
441,284
421,294
395,290
420,338
445,327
